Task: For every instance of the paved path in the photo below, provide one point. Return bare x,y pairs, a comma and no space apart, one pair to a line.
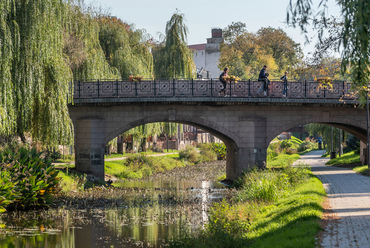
348,212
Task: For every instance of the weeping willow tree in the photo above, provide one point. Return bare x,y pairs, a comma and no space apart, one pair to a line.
172,57
125,48
141,133
82,46
34,72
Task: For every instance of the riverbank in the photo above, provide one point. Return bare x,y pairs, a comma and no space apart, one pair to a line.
277,207
131,191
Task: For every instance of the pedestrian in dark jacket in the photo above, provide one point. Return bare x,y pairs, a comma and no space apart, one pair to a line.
285,83
263,79
223,81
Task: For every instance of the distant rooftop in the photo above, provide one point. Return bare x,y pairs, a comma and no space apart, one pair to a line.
198,47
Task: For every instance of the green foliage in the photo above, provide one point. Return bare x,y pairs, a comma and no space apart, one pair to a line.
34,178
352,144
325,132
245,53
124,48
352,38
306,145
347,158
70,182
292,220
207,153
282,160
138,166
220,150
34,74
7,192
173,58
190,155
269,185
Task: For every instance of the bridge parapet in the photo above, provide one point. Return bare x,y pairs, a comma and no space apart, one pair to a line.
93,89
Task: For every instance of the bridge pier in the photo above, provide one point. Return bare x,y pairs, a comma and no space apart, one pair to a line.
250,150
90,146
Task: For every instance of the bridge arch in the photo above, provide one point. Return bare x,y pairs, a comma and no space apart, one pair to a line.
352,126
213,128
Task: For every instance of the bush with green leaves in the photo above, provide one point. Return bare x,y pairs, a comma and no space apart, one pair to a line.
207,153
35,179
7,190
190,154
220,150
305,145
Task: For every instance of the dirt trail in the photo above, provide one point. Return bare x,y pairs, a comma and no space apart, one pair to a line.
347,212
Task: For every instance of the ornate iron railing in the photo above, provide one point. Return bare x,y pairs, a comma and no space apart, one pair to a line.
204,88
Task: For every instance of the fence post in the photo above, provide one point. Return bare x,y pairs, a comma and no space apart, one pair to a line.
117,87
136,89
98,89
249,87
192,87
305,89
79,89
155,88
343,90
173,85
211,87
230,89
324,92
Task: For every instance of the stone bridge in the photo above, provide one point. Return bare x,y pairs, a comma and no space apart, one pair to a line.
102,110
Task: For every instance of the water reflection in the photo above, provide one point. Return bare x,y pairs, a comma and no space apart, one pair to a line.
157,211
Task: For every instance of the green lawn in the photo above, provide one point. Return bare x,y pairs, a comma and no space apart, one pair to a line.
118,155
347,158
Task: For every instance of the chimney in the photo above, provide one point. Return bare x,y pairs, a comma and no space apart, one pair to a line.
216,33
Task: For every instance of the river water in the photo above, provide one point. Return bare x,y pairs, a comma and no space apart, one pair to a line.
140,213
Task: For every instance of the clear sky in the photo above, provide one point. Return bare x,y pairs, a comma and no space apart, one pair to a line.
203,15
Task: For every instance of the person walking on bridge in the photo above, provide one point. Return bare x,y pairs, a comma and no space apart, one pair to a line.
263,79
285,83
223,81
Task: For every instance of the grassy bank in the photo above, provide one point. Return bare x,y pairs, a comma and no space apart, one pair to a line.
138,166
347,158
350,160
277,207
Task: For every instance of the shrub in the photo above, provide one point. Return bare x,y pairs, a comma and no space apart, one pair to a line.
7,194
305,145
190,154
34,178
220,150
285,144
273,150
207,153
138,166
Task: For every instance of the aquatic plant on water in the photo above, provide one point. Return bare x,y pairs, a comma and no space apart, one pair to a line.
34,178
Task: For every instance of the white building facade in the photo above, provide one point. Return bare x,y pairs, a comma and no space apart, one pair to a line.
206,55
